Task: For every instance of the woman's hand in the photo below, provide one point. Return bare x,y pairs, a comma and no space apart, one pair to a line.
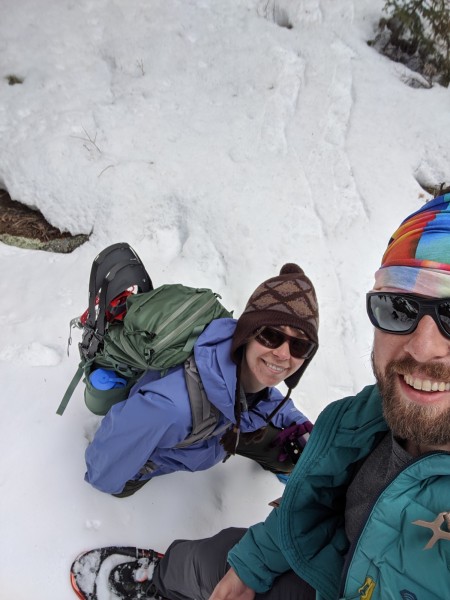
231,587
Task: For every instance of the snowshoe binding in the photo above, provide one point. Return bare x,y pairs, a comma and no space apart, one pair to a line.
134,579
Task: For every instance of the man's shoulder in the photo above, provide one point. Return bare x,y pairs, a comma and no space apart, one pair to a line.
358,410
369,394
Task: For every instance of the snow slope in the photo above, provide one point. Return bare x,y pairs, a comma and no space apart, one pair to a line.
220,143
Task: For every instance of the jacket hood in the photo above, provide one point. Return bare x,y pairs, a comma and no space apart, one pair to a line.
212,353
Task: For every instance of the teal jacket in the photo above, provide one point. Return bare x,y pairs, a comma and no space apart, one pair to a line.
306,533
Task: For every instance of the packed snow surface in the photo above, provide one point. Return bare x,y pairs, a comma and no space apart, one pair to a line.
221,140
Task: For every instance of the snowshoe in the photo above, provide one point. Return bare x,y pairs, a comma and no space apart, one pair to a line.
115,269
134,579
95,574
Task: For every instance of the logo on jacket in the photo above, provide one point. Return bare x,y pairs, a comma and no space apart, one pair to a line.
407,595
443,518
366,590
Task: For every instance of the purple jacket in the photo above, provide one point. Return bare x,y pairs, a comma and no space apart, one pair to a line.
157,416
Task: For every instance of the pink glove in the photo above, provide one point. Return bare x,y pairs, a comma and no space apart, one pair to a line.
292,440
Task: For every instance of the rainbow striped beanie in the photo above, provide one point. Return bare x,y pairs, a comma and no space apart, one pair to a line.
417,259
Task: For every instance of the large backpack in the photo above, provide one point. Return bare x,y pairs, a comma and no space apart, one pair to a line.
129,328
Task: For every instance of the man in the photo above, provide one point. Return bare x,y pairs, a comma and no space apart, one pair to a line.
366,513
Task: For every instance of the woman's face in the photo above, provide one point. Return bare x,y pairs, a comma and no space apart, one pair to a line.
264,367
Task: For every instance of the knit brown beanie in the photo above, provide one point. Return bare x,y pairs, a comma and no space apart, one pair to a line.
288,299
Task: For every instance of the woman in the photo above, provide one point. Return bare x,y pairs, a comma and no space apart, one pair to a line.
239,364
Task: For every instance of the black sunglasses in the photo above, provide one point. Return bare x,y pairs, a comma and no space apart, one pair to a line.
273,338
401,313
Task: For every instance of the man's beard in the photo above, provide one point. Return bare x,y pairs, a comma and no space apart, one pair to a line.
420,424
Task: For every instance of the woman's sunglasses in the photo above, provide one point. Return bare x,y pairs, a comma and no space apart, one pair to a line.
273,338
401,313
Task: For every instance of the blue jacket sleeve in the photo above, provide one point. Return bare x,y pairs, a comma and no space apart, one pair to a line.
257,558
128,435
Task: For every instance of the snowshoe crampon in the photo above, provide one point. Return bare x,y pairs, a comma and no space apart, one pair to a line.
94,575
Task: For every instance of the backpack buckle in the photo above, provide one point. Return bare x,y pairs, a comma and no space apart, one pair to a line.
91,342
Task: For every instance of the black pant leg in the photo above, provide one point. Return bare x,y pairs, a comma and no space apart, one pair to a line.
289,586
190,570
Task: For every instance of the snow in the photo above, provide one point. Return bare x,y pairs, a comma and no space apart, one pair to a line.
220,144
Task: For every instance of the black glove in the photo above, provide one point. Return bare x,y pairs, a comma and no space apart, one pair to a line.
292,440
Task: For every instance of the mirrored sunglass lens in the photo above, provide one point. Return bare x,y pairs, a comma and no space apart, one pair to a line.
444,315
394,313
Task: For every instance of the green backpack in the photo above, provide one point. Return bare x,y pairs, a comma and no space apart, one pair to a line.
129,328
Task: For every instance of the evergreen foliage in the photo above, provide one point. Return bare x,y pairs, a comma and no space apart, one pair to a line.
417,34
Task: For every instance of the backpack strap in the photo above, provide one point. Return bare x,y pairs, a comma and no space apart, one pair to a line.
205,415
70,389
193,338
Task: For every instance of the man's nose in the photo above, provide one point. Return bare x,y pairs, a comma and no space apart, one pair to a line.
427,342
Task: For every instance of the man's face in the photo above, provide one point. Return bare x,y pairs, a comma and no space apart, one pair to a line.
413,373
